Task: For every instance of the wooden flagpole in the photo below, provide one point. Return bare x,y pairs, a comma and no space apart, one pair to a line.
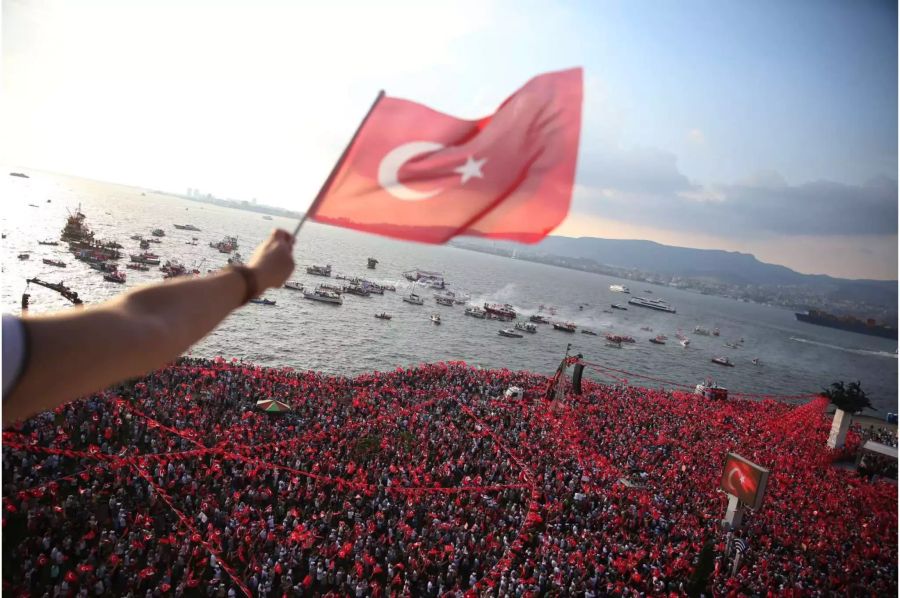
337,165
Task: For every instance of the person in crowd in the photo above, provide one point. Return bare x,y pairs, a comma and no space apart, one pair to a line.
426,481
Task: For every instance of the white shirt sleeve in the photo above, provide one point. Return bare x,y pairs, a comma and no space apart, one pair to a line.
15,351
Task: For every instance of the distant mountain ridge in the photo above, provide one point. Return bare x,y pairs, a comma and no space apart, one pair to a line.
727,267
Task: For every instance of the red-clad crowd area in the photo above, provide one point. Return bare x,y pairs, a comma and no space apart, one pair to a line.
428,482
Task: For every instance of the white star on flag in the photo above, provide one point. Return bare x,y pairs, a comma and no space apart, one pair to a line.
471,169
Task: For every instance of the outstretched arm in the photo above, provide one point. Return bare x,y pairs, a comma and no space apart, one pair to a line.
81,351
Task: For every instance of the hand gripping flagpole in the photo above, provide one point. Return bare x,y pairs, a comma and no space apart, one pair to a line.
337,166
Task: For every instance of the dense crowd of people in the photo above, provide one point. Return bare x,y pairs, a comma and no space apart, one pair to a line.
429,482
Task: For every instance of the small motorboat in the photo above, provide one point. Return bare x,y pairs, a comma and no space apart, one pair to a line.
441,300
57,263
617,306
475,312
588,332
135,266
116,276
136,238
333,288
371,263
701,331
383,316
48,243
324,295
685,342
262,301
658,340
319,270
414,299
755,361
731,345
24,256
293,285
715,332
564,326
158,232
723,361
538,319
526,327
186,227
145,244
435,319
510,332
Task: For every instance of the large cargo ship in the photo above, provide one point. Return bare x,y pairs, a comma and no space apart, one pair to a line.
849,323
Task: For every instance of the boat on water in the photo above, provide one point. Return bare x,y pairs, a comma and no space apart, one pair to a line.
619,288
48,242
432,279
371,263
333,288
59,287
538,319
319,270
475,312
444,301
723,361
226,245
731,345
355,289
619,338
262,301
136,237
157,241
136,266
435,319
848,323
504,311
116,276
24,256
755,361
712,391
388,287
685,342
658,340
414,299
646,328
186,227
510,332
526,327
324,295
701,331
715,332
235,259
57,263
293,285
383,316
565,326
158,232
144,244
173,268
655,304
588,332
146,258
618,306
614,344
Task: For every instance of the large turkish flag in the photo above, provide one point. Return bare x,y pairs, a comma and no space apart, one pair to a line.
417,174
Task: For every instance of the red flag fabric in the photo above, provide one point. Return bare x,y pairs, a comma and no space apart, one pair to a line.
416,174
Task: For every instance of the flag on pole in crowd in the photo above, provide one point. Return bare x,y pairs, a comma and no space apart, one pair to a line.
413,173
740,546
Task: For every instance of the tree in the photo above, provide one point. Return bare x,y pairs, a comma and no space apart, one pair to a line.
850,398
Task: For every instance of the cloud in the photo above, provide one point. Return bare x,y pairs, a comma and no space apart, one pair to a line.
644,186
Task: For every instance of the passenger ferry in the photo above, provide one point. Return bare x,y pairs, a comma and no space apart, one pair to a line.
324,295
655,304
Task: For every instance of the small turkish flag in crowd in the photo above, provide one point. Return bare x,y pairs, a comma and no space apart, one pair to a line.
413,173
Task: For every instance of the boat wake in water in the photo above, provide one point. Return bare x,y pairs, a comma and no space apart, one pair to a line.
847,349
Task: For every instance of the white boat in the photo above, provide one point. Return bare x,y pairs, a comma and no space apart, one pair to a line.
293,285
510,332
655,304
526,327
324,295
475,312
444,301
685,342
436,318
414,299
619,288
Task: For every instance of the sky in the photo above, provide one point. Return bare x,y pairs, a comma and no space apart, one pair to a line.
764,127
